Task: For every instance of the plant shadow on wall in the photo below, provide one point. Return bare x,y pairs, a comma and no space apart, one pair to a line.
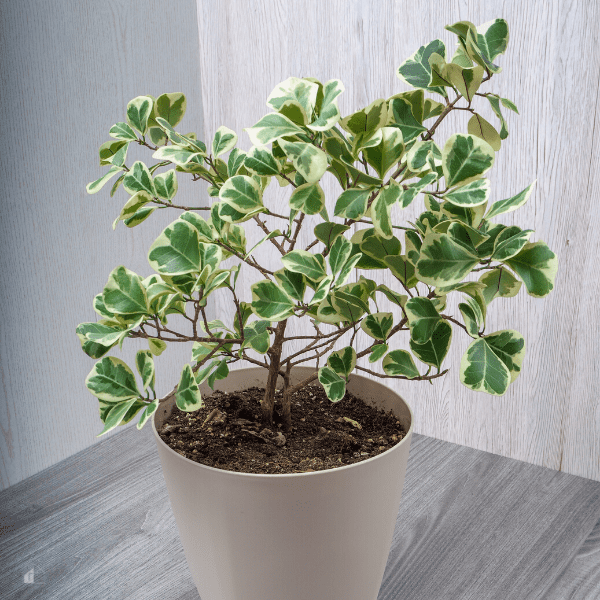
383,156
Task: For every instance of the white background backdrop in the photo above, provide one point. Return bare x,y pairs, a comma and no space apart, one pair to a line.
68,71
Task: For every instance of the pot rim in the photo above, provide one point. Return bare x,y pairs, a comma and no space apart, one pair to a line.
282,476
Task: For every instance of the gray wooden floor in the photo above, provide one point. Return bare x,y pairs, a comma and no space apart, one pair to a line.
472,525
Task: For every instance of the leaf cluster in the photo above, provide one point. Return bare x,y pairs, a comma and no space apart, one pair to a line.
383,157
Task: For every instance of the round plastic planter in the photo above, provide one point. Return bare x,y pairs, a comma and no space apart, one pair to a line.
323,535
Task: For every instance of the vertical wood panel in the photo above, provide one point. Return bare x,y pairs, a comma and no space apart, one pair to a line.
551,415
68,70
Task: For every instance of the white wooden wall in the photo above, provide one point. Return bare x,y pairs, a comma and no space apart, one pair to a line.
68,70
551,415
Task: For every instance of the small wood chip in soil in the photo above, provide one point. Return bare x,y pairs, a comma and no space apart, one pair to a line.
324,434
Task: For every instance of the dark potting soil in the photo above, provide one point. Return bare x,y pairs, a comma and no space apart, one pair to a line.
227,432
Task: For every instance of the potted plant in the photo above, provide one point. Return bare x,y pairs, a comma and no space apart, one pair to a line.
324,533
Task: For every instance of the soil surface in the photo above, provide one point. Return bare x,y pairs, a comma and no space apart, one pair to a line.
227,433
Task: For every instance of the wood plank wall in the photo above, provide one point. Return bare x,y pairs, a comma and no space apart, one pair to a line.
68,70
551,415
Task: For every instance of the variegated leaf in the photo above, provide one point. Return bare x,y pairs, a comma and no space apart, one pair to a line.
225,139
400,363
308,198
96,186
478,126
343,361
416,70
188,397
124,293
242,193
423,318
472,194
145,366
443,261
270,302
272,127
310,161
436,348
261,161
465,158
510,204
537,266
111,380
378,325
139,111
329,113
301,93
387,152
333,384
301,261
499,282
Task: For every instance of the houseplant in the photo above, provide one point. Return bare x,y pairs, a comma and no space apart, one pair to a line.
383,157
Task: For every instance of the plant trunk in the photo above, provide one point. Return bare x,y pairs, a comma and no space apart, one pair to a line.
275,356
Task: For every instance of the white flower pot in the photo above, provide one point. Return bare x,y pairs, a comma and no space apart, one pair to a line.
323,535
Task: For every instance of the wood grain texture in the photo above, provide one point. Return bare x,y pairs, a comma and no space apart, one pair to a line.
68,70
551,415
471,526
581,578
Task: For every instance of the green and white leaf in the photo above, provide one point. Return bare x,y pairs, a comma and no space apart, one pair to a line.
381,209
301,261
310,161
401,114
443,261
416,70
423,318
122,131
111,380
225,139
139,179
339,254
148,411
166,184
145,366
499,283
242,193
383,156
116,415
378,352
329,113
474,193
510,242
510,204
124,293
300,93
400,363
176,251
187,396
465,158
272,127
292,283
96,186
270,302
481,369
378,325
333,384
308,198
478,126
261,161
343,361
493,362
436,348
138,113
352,203
537,266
